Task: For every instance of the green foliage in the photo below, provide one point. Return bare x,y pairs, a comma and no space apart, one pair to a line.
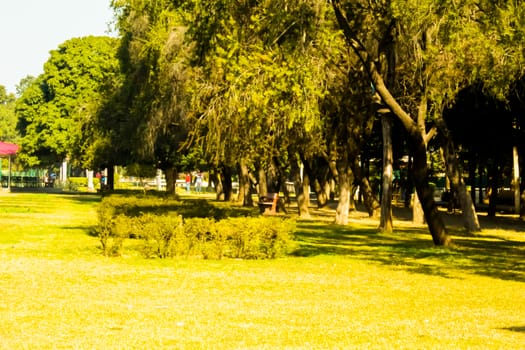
77,181
455,44
154,97
163,235
140,170
257,238
71,186
264,75
55,108
205,238
106,230
7,116
218,78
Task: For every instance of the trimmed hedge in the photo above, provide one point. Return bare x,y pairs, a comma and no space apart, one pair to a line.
165,233
76,183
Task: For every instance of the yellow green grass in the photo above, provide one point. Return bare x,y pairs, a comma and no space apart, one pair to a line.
346,287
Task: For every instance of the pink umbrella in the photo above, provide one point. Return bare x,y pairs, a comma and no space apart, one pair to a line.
8,149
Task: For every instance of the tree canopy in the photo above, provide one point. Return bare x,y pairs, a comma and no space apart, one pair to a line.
267,87
54,108
7,116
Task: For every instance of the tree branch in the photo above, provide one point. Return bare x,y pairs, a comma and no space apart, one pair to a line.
371,69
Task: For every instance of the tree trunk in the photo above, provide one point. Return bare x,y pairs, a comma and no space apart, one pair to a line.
111,177
320,178
408,188
493,188
418,142
171,180
263,185
64,171
468,210
435,222
321,192
370,201
217,183
418,215
302,198
472,178
351,199
89,174
226,180
522,206
481,173
426,197
306,193
273,181
516,178
245,196
369,198
341,217
385,224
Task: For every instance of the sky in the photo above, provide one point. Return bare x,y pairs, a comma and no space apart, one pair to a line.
29,29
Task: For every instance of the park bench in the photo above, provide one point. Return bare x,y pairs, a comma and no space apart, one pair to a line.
49,182
269,203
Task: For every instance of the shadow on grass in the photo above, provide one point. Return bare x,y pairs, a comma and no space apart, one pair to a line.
85,198
412,249
408,248
520,329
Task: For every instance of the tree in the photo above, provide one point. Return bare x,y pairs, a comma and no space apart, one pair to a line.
262,76
24,84
7,116
56,106
348,124
486,149
386,224
449,46
414,127
154,98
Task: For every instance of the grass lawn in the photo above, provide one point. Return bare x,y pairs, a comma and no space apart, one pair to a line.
346,287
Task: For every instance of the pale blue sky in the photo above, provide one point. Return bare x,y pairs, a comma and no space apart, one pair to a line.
29,29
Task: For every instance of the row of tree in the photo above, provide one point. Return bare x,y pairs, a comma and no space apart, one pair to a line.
276,89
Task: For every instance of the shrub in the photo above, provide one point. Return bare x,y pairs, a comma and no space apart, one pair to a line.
165,234
257,238
133,206
77,181
162,234
110,240
205,238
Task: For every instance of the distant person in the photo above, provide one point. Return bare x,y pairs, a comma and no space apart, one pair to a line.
198,182
188,182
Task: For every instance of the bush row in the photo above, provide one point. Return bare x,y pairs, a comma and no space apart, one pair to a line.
165,233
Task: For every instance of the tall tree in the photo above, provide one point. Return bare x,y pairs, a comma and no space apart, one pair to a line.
7,116
262,77
54,108
154,96
451,44
386,222
413,127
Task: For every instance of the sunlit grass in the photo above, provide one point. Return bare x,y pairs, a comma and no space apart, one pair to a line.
347,287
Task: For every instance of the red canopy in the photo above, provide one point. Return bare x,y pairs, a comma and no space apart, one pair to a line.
8,148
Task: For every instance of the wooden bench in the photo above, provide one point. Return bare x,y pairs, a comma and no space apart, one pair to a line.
49,182
269,203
